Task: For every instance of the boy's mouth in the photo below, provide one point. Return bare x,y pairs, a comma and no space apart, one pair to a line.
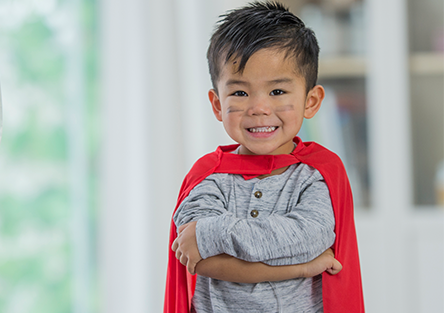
267,129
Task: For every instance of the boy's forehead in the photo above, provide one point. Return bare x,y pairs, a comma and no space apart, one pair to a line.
276,58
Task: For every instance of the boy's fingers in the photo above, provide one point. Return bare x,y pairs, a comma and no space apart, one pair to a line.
333,271
183,260
337,265
175,245
178,254
335,268
182,227
191,267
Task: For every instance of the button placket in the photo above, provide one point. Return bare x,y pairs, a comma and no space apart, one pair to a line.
255,213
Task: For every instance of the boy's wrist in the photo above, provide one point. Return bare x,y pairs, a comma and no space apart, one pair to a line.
304,270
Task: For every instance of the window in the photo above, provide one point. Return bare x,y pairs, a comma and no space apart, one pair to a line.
47,70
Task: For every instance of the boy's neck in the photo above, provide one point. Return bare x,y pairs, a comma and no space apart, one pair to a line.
275,172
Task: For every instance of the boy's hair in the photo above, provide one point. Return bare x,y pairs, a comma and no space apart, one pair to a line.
242,32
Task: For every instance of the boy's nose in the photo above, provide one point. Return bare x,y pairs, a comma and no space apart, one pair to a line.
259,107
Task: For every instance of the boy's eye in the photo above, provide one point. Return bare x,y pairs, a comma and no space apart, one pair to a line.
277,92
240,93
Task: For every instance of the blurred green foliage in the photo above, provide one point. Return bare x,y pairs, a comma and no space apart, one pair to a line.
36,244
38,56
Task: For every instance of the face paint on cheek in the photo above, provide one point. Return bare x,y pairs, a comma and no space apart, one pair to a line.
233,109
284,108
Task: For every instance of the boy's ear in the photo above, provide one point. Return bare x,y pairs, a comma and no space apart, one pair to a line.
215,103
313,101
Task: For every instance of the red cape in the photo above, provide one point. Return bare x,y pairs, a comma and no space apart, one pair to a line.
342,293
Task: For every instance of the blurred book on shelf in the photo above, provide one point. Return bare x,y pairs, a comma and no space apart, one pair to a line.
439,184
339,25
341,126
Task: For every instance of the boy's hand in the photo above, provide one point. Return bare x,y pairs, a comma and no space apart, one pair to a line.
326,262
185,246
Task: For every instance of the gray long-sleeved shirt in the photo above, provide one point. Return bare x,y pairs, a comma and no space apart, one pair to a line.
279,220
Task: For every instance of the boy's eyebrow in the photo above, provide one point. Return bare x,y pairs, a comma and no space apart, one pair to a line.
281,80
236,82
231,82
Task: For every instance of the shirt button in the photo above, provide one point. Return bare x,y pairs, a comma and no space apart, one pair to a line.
258,194
254,213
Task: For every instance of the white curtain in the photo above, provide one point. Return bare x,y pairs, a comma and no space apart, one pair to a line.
156,122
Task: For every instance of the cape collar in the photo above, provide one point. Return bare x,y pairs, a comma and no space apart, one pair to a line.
251,166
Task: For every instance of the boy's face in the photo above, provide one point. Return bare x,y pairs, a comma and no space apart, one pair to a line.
263,107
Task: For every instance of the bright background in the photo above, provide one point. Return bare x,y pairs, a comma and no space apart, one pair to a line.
105,109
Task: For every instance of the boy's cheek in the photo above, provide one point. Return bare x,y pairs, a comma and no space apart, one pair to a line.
285,108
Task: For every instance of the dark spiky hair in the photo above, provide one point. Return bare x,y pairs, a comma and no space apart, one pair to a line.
242,32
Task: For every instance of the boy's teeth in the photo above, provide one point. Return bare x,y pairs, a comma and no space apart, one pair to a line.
262,129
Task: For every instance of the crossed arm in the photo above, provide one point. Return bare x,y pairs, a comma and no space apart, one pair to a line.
298,237
228,268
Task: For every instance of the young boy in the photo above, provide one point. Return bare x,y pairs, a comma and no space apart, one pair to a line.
256,220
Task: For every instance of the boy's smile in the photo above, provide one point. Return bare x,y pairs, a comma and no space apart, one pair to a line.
263,107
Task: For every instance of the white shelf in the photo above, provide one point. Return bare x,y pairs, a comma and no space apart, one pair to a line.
342,67
356,66
427,63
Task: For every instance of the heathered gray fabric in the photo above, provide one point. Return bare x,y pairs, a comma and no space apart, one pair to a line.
295,224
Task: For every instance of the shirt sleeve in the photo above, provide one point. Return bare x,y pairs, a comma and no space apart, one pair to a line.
207,199
298,236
